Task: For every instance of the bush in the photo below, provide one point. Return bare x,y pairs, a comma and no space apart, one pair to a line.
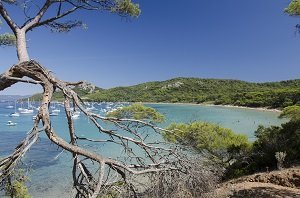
139,112
15,185
222,143
265,150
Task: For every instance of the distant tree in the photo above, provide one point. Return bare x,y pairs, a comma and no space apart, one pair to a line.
139,112
89,181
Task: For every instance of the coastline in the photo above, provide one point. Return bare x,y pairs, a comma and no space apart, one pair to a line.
213,105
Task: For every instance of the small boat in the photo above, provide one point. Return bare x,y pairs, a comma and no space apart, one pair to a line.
53,114
75,116
56,110
76,113
26,111
10,123
14,114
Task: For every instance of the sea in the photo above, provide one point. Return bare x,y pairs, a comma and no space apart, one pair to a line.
50,169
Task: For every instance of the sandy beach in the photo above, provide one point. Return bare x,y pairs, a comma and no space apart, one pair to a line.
228,106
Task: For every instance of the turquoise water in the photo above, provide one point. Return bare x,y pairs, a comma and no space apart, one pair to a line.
50,171
240,120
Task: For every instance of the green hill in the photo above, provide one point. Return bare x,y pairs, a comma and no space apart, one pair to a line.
216,91
196,90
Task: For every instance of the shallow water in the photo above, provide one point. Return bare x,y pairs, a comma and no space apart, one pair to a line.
50,170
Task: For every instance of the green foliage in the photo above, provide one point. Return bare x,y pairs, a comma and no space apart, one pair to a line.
139,112
7,39
274,139
15,186
273,145
195,90
291,112
240,156
126,7
270,140
221,142
293,8
19,190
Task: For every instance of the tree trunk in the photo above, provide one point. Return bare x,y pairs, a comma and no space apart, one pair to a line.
21,46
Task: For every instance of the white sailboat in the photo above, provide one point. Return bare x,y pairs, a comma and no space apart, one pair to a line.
75,114
15,114
91,107
54,108
27,111
53,114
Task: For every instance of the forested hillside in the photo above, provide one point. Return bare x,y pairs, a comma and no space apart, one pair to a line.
196,90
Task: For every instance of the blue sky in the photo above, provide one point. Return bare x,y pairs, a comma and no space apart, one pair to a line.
250,40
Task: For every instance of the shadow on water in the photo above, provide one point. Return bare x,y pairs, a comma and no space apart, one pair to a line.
42,153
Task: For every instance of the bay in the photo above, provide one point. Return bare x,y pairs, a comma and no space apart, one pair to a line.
50,170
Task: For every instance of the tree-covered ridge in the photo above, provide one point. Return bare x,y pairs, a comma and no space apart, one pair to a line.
197,90
215,91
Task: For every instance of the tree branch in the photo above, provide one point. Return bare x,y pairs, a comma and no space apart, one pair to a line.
38,16
25,80
162,159
47,21
13,26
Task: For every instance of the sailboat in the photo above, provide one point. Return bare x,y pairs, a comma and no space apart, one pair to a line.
55,109
53,114
26,111
15,114
75,114
91,107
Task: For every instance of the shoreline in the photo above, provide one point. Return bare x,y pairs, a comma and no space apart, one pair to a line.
213,105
